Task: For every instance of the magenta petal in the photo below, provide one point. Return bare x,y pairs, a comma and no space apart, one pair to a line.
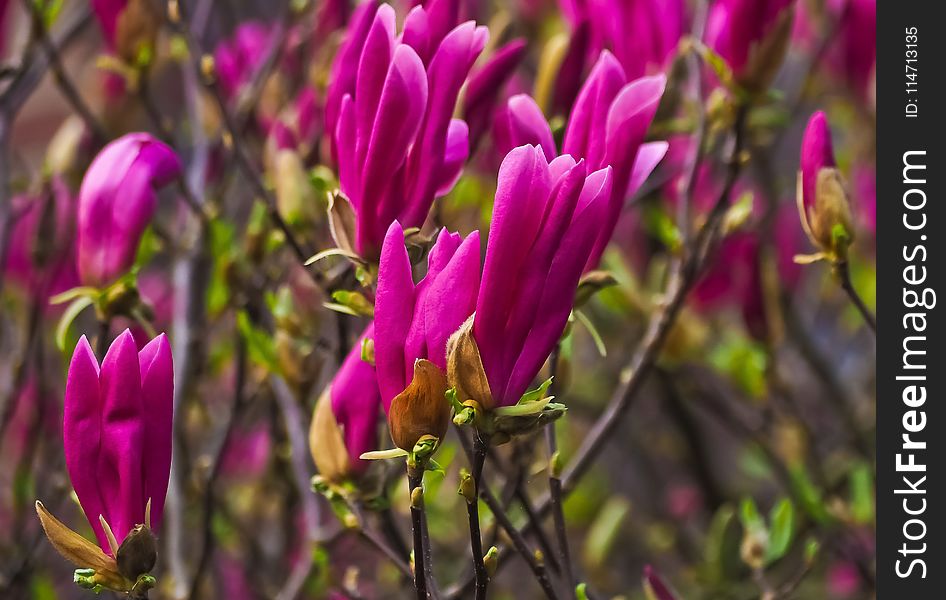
345,67
116,201
447,72
451,298
120,459
527,125
348,167
816,154
82,434
555,302
157,397
584,135
398,117
454,157
356,403
394,308
416,33
485,86
533,274
373,70
521,193
648,157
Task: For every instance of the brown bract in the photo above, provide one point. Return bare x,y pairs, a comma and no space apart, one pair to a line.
80,551
138,553
465,368
136,30
422,409
326,442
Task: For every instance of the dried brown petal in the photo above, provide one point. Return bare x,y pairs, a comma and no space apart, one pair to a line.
341,222
80,551
421,409
465,367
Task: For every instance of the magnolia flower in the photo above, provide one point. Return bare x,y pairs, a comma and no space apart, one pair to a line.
546,218
344,425
237,58
412,326
397,146
752,36
642,34
852,50
117,430
116,202
41,252
823,203
607,128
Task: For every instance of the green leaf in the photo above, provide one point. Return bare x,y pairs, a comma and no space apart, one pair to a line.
259,344
70,314
536,394
595,336
605,531
809,495
862,494
356,303
522,410
782,524
384,454
71,294
750,517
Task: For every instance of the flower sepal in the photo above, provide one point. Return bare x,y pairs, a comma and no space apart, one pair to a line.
126,574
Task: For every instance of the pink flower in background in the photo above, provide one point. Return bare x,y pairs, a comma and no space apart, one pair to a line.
107,13
356,403
864,183
844,580
746,33
117,432
817,153
397,146
485,87
42,252
236,59
116,202
414,321
642,34
546,219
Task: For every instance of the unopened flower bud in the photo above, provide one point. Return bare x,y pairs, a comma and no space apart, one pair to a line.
467,486
491,561
465,368
137,554
823,204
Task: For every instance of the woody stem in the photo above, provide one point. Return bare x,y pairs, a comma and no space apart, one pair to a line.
415,481
843,273
480,447
555,493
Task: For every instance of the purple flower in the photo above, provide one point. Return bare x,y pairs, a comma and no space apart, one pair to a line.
607,127
107,13
117,433
751,35
655,586
42,249
237,59
642,34
116,201
546,218
485,86
355,403
817,153
415,321
823,203
397,146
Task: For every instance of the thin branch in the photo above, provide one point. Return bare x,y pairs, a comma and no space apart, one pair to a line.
843,273
555,490
415,487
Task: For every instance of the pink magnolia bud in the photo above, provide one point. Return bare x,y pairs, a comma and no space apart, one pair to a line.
823,198
752,36
117,433
116,202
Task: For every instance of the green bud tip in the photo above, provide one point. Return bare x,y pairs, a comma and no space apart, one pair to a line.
417,497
